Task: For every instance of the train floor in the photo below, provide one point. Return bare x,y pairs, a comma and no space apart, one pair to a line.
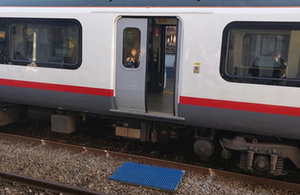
160,103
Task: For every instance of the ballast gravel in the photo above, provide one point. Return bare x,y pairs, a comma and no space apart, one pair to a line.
7,188
92,171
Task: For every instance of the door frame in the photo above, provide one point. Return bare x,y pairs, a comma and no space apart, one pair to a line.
177,82
177,68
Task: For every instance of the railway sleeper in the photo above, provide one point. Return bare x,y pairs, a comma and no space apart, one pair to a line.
261,157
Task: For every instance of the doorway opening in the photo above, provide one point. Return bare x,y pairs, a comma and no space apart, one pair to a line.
161,65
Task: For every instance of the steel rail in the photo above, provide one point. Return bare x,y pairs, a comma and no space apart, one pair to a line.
165,163
48,186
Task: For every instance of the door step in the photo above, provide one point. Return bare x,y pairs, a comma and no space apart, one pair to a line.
143,114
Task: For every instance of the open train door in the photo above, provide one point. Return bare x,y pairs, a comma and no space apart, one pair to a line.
131,64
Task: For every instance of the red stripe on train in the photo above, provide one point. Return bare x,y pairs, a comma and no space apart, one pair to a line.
58,87
243,106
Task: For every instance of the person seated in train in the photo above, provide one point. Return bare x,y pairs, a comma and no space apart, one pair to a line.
18,56
279,65
70,53
132,61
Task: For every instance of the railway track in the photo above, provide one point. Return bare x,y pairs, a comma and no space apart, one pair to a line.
48,186
164,163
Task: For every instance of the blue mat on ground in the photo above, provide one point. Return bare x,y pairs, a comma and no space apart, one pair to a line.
147,175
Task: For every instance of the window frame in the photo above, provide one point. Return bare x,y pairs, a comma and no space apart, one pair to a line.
46,21
138,52
256,26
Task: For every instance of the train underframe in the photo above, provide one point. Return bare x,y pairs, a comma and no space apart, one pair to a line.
257,154
260,156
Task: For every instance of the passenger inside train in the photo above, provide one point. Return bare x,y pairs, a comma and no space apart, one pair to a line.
280,63
133,60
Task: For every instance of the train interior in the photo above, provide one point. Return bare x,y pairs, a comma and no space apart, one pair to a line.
162,47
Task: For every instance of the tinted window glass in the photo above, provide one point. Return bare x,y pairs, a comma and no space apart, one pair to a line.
46,43
131,47
265,53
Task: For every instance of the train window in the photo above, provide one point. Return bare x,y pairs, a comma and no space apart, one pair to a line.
262,53
45,43
131,47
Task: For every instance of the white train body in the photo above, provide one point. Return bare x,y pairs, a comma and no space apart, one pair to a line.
204,99
112,61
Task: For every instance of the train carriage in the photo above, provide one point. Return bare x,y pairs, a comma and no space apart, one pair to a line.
227,65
